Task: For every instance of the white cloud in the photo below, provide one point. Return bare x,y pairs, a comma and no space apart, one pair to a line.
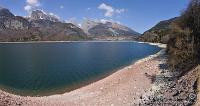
28,8
31,4
109,10
61,6
119,11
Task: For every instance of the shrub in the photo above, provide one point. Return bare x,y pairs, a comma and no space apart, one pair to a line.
184,46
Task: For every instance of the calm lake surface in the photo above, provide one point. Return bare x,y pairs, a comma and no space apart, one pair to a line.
37,69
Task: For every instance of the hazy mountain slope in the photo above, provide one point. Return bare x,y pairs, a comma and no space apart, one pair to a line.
107,29
160,32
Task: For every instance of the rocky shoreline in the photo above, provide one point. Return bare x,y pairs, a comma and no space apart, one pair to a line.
171,90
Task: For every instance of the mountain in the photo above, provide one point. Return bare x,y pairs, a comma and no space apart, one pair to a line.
40,26
40,14
160,33
5,12
108,30
43,26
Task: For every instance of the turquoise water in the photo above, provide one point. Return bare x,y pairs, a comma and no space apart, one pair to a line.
37,69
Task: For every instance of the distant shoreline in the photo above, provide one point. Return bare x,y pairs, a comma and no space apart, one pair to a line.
155,44
67,41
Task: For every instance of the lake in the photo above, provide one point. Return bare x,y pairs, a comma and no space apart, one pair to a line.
38,69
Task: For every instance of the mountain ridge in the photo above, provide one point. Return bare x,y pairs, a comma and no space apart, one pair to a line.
43,26
160,33
108,29
38,27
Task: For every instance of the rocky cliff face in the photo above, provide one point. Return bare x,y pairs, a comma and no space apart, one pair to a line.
39,14
58,31
108,30
9,21
39,26
159,33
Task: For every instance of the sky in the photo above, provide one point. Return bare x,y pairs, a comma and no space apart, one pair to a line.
140,15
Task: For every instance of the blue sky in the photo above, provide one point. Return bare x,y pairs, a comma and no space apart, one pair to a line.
139,15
